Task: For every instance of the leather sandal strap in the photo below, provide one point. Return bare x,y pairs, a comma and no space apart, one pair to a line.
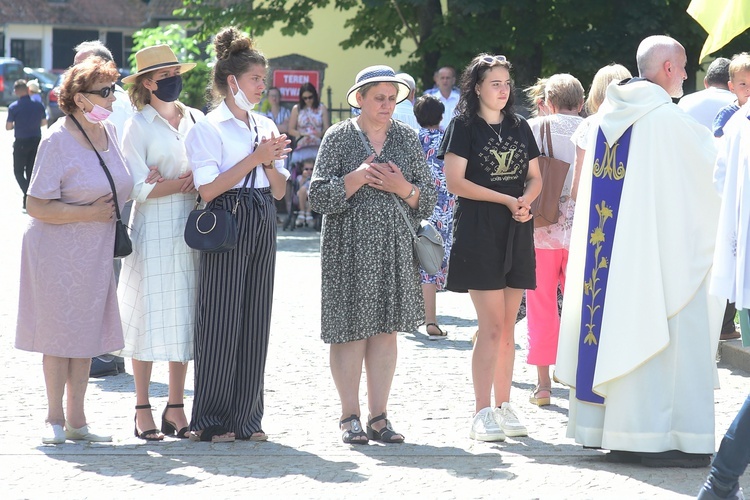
376,419
179,405
348,419
142,407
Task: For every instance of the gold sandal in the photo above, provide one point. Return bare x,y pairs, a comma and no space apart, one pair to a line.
533,399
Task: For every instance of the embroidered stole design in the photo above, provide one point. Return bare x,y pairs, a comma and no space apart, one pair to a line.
610,163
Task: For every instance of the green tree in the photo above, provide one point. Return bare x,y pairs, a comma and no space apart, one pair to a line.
187,49
540,37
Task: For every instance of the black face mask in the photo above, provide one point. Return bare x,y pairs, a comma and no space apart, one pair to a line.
169,88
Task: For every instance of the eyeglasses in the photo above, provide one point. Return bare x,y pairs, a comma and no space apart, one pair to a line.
104,92
307,97
492,59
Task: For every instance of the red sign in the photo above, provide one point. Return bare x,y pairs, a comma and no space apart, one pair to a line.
288,81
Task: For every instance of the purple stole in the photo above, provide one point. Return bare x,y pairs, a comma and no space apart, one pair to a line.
610,163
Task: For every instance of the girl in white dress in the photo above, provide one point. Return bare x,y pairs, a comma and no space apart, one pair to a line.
158,280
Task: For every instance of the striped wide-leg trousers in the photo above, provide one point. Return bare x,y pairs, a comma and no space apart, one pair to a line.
235,293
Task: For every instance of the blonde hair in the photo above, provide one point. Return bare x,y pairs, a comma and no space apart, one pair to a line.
740,62
602,79
534,94
139,94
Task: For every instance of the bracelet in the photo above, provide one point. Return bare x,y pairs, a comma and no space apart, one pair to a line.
412,193
269,166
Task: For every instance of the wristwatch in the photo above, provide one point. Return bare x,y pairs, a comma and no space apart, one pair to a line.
412,193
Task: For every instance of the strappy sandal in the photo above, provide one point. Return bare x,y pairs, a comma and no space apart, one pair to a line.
149,435
355,434
435,336
212,434
168,427
384,435
533,399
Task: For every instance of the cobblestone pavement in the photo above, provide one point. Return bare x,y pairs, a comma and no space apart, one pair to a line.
431,403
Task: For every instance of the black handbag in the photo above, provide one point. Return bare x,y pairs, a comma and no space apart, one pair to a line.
123,245
214,230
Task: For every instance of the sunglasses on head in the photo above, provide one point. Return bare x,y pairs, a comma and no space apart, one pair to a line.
492,59
103,92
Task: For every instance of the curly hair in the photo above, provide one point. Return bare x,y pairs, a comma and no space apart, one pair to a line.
81,77
473,75
235,54
308,87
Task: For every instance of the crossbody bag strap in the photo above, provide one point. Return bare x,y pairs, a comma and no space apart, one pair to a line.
395,200
101,162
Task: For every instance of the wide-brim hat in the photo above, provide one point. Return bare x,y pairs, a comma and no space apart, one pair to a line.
377,74
153,58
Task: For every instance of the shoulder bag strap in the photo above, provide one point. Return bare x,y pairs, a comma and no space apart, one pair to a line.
549,138
101,162
395,200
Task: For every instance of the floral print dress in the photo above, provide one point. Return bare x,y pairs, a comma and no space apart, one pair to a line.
442,215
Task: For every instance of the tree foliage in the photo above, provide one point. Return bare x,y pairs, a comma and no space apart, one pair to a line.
540,37
187,49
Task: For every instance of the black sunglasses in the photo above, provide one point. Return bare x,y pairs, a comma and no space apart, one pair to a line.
104,92
307,97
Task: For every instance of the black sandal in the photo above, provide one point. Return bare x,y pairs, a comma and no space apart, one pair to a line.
355,434
384,435
212,434
435,336
145,434
168,428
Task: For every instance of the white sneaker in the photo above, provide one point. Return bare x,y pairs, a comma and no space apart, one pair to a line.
508,421
485,428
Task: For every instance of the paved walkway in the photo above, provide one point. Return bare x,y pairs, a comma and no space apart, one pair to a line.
431,403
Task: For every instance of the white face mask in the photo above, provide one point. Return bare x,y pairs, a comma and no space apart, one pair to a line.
240,99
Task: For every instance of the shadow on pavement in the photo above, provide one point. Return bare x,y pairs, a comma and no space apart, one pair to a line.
298,241
162,464
123,382
456,461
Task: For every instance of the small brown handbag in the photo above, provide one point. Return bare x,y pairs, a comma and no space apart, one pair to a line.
546,207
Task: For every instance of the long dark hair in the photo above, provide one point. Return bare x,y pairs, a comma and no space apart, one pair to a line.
468,105
308,87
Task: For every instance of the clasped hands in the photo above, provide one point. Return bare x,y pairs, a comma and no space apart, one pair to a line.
154,177
273,148
384,177
520,209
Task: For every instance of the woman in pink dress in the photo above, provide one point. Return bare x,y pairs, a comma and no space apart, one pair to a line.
68,300
308,122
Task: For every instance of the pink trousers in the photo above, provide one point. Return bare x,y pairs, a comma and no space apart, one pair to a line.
541,306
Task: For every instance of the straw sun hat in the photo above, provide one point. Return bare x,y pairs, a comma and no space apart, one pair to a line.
153,58
377,74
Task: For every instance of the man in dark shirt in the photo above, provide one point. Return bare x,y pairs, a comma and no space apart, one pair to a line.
25,118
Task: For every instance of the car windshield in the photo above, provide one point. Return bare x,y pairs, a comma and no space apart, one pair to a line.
41,75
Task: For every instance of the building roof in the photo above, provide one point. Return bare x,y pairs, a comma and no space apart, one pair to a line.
99,13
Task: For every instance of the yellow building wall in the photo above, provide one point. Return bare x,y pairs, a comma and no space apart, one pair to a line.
322,44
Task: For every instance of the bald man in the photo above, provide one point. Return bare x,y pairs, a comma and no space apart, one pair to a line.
639,330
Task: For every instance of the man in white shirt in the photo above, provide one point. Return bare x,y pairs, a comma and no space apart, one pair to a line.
445,79
405,109
704,105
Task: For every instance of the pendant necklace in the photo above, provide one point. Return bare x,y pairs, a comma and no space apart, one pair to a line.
496,132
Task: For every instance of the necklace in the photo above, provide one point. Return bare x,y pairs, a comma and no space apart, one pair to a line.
496,132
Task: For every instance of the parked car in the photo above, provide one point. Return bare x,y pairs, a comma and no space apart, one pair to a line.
53,110
11,69
45,78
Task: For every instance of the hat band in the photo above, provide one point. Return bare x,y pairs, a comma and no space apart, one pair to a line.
160,65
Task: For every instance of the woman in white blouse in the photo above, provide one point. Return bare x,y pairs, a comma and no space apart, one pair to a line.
158,280
235,289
